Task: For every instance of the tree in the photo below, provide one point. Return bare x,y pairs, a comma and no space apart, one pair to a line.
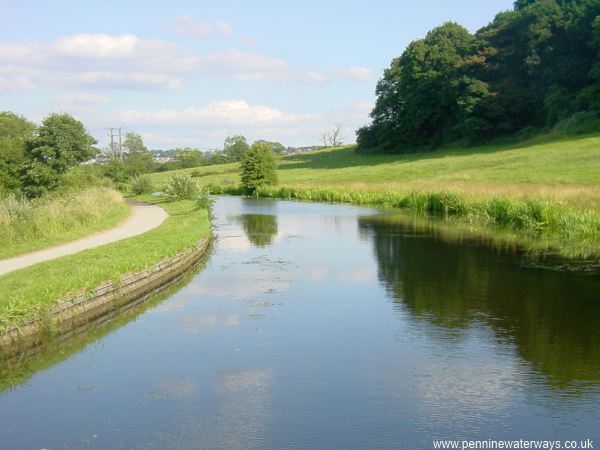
332,137
14,131
60,143
530,67
235,147
277,147
258,167
188,157
134,143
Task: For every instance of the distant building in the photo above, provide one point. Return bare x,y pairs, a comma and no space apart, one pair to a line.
162,159
293,150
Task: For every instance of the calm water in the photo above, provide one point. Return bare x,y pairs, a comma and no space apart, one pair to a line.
329,327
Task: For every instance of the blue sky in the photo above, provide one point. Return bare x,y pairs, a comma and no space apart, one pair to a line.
190,73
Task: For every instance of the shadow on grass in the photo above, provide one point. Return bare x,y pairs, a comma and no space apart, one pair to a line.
346,157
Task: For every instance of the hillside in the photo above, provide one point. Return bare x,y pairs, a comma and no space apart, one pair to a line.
561,170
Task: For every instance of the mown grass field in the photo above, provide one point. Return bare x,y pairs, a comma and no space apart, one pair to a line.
26,226
561,170
31,291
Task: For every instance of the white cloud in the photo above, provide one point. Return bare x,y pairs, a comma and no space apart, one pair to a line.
81,99
127,61
355,73
232,112
188,26
97,45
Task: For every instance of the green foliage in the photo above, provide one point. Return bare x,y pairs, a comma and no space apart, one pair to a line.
531,67
181,187
14,131
188,157
134,143
142,184
60,143
204,199
234,148
258,167
276,147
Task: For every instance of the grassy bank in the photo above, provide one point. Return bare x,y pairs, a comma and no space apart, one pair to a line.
26,225
543,187
31,291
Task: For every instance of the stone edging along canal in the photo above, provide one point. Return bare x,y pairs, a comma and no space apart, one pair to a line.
75,312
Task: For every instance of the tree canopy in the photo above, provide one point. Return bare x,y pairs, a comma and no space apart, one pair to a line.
60,143
258,167
235,147
530,67
14,131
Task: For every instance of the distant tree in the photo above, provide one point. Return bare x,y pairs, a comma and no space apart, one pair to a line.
134,143
188,157
234,147
60,143
14,131
138,159
277,147
332,137
258,167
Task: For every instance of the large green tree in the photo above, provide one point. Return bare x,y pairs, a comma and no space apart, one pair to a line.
60,142
530,67
258,167
14,131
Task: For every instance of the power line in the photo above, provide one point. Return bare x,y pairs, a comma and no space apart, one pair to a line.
116,151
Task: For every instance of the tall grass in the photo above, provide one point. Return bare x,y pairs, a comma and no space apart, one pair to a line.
26,225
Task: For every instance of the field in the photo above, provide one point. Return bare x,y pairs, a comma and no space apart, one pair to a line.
561,170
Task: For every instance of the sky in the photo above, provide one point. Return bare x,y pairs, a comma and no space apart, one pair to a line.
191,73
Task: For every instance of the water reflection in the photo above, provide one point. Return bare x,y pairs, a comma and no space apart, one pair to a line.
260,229
552,318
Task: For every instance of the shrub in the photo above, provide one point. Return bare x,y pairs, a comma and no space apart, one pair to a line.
142,185
258,167
181,186
204,199
196,174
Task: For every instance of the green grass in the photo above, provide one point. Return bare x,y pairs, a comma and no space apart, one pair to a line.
26,226
562,170
34,290
544,186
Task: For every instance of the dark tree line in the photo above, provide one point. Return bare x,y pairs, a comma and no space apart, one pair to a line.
529,68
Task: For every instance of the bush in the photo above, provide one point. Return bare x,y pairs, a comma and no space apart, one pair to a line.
181,186
578,123
196,174
258,167
142,185
204,200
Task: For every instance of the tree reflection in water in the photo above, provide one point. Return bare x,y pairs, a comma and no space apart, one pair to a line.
551,317
260,229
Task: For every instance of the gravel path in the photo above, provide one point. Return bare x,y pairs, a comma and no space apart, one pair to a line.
143,218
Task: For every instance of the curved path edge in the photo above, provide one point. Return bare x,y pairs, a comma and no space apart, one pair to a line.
72,315
144,217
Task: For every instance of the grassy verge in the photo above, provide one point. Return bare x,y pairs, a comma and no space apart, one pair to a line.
26,226
34,290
